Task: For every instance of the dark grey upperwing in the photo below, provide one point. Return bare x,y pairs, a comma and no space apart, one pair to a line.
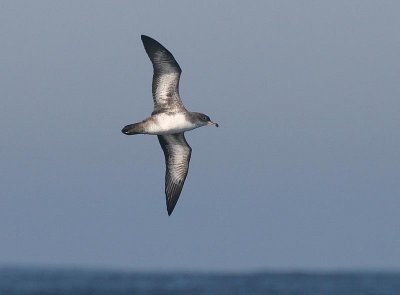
177,157
165,78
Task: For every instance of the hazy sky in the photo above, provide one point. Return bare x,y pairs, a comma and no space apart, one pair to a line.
303,172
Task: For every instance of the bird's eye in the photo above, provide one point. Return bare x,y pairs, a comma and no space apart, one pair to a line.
204,118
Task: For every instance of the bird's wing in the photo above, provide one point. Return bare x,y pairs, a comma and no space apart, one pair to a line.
177,157
165,77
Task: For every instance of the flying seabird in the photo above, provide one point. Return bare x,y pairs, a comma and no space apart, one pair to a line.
169,119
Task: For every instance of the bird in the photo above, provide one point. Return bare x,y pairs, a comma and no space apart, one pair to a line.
169,119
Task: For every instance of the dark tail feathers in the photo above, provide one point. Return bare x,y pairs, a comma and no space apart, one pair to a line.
132,129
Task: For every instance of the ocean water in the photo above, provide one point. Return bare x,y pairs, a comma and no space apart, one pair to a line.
57,281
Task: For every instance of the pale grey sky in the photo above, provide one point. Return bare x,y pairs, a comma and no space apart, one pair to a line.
303,172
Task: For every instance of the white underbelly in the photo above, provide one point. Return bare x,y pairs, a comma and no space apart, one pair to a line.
170,124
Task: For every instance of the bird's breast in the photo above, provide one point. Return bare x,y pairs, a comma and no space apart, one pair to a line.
169,124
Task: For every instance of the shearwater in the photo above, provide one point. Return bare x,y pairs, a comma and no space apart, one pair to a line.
169,119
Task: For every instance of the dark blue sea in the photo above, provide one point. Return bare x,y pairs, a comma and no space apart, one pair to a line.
24,281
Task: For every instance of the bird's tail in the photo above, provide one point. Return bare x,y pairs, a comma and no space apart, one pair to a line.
132,129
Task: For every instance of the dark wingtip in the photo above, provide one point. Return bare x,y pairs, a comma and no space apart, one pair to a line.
144,37
147,39
170,208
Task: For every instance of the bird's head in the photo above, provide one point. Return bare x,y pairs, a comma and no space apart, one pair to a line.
203,120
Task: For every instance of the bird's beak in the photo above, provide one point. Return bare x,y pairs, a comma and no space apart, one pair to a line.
213,123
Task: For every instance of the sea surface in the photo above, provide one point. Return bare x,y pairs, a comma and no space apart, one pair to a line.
24,281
